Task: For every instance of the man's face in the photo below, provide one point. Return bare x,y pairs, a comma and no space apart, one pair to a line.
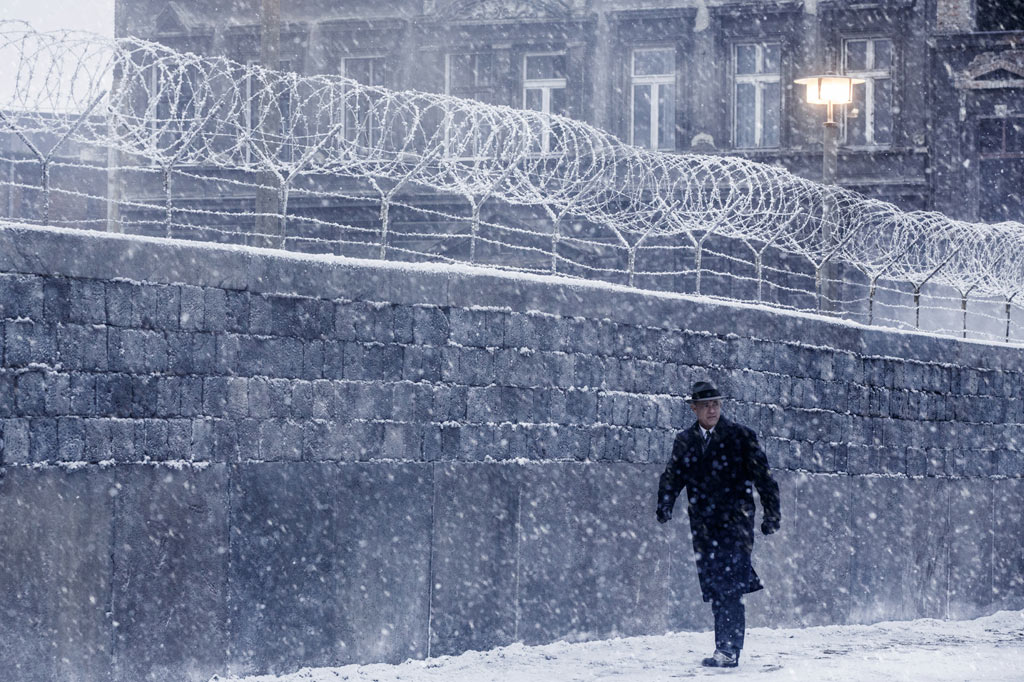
708,412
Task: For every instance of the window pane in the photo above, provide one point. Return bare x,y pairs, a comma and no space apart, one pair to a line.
253,110
856,117
455,135
378,72
772,103
990,135
666,116
745,114
856,55
484,71
460,70
771,58
284,103
999,15
1015,135
559,104
653,62
883,54
482,141
358,70
746,59
642,115
353,117
1003,198
534,99
545,66
883,111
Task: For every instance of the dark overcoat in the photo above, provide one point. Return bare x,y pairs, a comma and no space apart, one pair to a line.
719,484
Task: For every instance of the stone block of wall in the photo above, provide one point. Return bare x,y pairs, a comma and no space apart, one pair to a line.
474,576
970,545
1007,551
581,541
55,574
384,560
170,565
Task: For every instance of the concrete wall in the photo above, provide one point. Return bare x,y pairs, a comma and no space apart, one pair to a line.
228,460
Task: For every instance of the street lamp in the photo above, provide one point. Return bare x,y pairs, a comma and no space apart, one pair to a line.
830,90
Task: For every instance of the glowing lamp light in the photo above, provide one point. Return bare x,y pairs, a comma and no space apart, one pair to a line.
829,89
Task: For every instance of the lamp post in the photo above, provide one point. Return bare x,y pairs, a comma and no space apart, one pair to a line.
830,90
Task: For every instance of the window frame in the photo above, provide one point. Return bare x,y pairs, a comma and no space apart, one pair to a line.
175,109
655,81
383,59
283,65
870,75
475,88
758,79
469,93
545,85
1006,120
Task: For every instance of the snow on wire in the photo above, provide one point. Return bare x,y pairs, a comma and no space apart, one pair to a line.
180,115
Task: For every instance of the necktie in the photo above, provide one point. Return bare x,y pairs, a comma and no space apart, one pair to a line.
707,439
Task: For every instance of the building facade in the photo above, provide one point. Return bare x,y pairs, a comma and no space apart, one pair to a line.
941,111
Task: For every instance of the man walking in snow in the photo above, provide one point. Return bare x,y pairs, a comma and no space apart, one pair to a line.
718,461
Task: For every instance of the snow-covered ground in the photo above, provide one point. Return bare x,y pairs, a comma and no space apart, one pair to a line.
986,649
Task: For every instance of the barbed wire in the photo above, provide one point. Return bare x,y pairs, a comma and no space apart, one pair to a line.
186,118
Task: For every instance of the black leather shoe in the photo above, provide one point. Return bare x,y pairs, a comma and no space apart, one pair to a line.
721,659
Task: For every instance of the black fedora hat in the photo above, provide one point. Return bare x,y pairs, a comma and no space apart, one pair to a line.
704,390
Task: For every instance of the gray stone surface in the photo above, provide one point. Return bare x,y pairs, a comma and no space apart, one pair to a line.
818,565
384,560
282,584
55,568
970,548
588,566
883,537
925,593
170,556
1007,548
476,557
774,562
329,564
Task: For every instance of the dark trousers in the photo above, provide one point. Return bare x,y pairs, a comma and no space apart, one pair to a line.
730,622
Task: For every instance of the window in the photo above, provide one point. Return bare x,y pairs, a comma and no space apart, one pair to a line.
1000,15
653,99
254,95
757,99
470,76
544,82
366,70
362,119
1001,137
867,120
1000,146
175,109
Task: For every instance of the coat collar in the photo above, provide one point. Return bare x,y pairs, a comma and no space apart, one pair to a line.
721,427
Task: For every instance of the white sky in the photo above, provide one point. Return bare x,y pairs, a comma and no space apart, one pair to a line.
46,15
95,16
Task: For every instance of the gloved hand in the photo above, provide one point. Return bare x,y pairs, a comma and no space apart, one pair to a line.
769,526
664,514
